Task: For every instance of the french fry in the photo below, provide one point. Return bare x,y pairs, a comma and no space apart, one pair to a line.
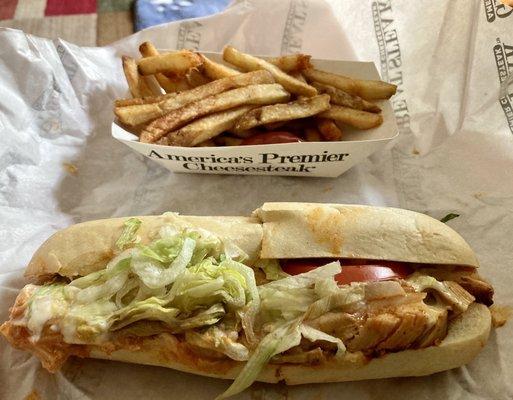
143,100
195,78
177,62
207,143
249,63
179,84
341,98
366,89
284,112
299,76
228,141
328,129
208,103
292,62
312,135
138,86
374,90
153,85
206,128
147,49
139,114
254,94
355,118
341,82
215,70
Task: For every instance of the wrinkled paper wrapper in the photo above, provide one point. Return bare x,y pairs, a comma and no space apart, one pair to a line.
60,165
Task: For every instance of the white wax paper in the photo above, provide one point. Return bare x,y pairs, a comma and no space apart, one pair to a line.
454,154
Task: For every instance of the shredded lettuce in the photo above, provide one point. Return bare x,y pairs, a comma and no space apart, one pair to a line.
219,340
457,297
184,279
308,278
131,226
314,335
291,297
156,274
152,310
271,269
284,303
278,341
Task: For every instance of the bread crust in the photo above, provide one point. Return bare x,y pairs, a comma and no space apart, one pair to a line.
87,247
466,336
290,230
276,230
298,230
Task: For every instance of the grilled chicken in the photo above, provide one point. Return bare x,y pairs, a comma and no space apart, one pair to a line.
468,279
479,288
338,324
384,317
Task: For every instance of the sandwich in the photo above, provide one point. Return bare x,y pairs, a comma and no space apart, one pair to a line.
297,292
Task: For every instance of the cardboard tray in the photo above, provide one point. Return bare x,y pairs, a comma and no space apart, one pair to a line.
321,159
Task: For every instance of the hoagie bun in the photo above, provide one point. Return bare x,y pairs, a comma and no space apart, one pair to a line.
425,317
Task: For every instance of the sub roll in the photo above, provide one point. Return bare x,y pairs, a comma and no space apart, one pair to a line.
297,292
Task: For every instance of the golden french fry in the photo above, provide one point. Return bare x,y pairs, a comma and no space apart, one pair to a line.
207,143
214,70
142,100
177,62
138,86
366,89
249,63
312,135
374,90
284,112
228,141
177,84
195,78
341,98
206,128
152,85
254,94
356,118
299,76
147,49
292,62
341,82
328,129
139,114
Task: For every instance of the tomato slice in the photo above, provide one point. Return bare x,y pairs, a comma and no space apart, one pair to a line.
365,271
271,138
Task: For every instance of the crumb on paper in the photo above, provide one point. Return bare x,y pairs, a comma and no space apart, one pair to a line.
448,217
70,168
415,151
327,189
34,395
500,314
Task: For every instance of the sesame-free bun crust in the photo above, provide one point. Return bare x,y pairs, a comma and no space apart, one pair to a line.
298,230
466,336
87,247
276,230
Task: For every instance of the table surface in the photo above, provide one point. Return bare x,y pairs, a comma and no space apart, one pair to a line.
83,22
